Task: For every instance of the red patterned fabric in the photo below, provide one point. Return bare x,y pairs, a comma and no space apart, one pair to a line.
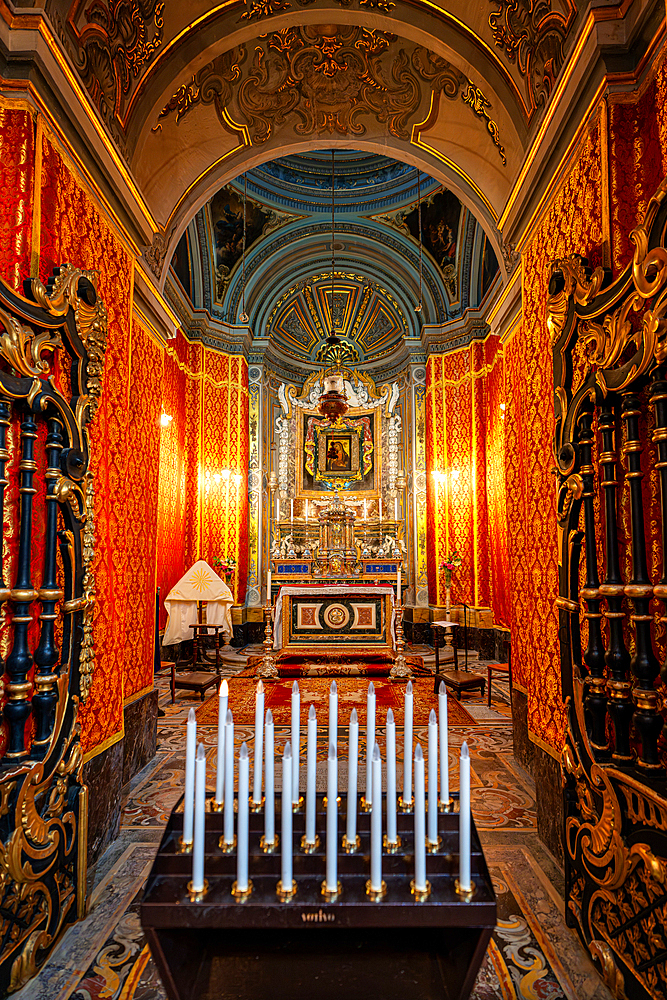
572,224
141,503
74,229
466,510
17,176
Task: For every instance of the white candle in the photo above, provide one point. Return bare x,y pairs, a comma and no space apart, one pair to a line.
268,586
370,740
286,818
311,773
407,747
200,820
376,821
242,821
396,508
391,778
269,783
228,822
333,714
364,510
306,512
332,820
296,740
464,819
258,755
398,585
380,508
352,768
420,822
444,744
291,511
432,778
277,508
189,795
223,699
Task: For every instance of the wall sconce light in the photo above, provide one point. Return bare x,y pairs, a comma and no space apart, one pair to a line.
237,478
439,477
455,475
502,411
165,419
226,473
217,477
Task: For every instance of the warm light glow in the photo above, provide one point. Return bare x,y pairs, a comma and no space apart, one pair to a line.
237,478
439,476
226,473
455,475
217,477
165,419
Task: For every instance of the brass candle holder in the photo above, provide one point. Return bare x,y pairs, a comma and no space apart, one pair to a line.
433,846
184,846
284,895
421,895
365,806
298,805
225,847
196,895
269,848
465,894
217,807
446,806
351,846
405,807
310,848
391,846
240,895
255,807
331,895
376,895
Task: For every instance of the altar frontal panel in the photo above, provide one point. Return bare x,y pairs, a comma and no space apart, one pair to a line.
351,620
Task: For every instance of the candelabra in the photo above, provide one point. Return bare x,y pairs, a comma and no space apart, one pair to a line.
267,669
400,670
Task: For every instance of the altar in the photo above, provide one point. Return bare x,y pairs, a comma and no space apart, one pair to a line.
312,616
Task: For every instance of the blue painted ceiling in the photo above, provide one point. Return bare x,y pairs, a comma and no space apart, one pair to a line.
285,283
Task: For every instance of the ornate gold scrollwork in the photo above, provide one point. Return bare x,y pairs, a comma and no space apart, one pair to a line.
42,801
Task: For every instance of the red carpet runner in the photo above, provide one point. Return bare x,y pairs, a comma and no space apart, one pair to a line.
315,691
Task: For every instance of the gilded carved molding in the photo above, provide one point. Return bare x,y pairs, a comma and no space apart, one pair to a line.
609,343
43,802
111,42
532,34
326,80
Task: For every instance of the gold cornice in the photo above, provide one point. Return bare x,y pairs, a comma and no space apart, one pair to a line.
596,16
506,292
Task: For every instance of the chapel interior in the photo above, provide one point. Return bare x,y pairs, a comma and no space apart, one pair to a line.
333,473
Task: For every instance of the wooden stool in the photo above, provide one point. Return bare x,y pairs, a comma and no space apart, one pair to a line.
197,680
463,680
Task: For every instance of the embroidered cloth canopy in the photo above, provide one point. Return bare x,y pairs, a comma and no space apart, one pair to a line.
200,583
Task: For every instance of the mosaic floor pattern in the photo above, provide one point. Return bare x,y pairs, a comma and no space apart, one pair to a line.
532,955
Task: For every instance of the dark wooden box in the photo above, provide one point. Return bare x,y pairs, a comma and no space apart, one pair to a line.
351,949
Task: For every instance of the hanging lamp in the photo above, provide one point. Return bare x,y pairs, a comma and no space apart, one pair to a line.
244,316
333,402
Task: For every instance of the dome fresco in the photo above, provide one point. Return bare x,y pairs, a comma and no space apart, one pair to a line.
286,281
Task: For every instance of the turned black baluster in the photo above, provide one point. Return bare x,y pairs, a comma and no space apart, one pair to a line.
23,594
46,655
596,699
5,455
659,402
644,665
616,657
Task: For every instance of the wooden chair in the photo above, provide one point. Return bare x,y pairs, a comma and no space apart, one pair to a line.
198,680
500,668
458,680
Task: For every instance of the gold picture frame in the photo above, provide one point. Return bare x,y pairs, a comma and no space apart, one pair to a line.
330,433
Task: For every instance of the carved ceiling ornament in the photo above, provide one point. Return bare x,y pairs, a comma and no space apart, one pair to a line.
532,34
326,79
118,39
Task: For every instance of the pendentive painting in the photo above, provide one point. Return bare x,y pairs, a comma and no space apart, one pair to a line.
226,209
440,226
339,455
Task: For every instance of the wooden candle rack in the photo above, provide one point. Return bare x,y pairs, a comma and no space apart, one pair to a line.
221,948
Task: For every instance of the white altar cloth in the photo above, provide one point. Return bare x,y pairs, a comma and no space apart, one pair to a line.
200,583
338,590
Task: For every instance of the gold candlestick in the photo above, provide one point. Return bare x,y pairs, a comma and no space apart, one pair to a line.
267,668
400,670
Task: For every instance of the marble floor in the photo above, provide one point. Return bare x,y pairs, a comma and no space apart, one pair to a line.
532,954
